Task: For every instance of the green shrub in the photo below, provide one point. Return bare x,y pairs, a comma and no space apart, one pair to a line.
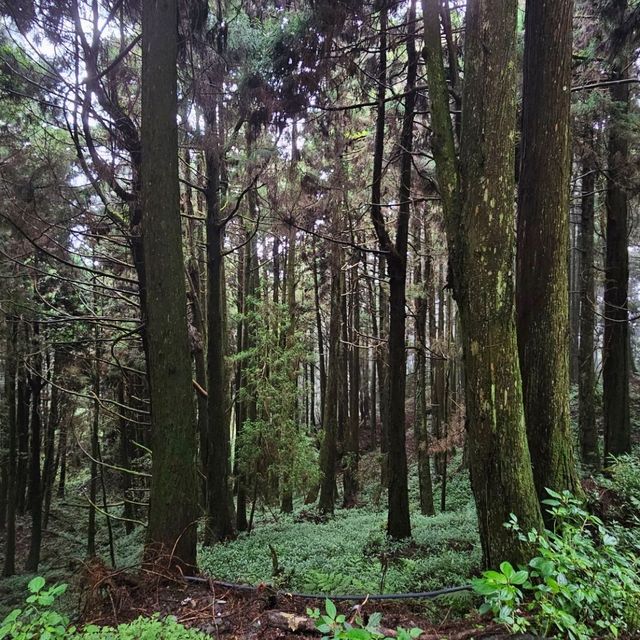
38,620
336,624
144,629
580,585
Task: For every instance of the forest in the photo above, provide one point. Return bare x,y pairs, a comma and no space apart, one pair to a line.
317,319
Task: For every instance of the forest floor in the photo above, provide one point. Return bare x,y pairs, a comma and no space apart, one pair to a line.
231,614
294,552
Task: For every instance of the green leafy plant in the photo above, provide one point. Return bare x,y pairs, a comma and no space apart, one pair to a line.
37,620
152,628
503,595
580,585
334,625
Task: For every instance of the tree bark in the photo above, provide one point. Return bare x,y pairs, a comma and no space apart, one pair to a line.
587,379
615,356
328,450
477,197
9,567
542,298
36,383
171,535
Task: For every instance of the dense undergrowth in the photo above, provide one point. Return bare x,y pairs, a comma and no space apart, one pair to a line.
349,553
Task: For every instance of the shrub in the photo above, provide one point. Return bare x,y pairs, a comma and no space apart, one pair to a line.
39,621
580,585
144,629
336,624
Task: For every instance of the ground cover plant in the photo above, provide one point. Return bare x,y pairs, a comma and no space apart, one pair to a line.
350,553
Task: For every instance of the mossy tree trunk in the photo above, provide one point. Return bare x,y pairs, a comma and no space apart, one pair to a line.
421,423
542,290
171,534
477,197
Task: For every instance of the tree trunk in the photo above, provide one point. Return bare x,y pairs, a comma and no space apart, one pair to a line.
328,450
171,534
587,381
543,245
9,567
615,356
421,424
478,205
36,383
22,426
352,434
398,522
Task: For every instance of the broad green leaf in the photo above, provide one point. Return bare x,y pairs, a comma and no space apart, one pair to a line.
36,584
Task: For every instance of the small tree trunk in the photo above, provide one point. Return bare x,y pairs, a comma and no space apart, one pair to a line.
352,435
587,382
9,567
36,383
421,425
328,450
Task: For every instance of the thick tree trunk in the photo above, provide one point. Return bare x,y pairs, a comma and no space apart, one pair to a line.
543,245
616,366
171,534
479,212
587,380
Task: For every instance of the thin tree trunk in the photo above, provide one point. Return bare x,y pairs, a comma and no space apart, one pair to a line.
352,435
421,425
328,450
36,383
9,567
587,381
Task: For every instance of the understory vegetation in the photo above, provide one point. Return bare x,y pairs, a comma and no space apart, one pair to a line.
350,552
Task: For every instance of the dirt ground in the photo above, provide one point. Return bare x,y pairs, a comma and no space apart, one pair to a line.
232,614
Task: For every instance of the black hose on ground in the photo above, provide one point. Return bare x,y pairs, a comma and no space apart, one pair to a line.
418,595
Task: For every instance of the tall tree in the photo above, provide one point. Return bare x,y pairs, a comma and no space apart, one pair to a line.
328,450
9,566
542,291
477,198
171,536
615,352
587,379
398,521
